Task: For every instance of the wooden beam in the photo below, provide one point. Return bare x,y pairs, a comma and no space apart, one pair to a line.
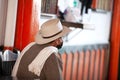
72,24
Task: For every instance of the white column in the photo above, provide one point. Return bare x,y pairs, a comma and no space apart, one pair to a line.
10,23
3,13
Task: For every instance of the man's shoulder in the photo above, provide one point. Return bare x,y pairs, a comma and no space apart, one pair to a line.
28,46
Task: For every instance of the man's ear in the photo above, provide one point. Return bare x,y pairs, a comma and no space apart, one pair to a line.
53,43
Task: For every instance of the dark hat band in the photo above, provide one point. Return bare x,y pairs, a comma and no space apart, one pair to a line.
53,35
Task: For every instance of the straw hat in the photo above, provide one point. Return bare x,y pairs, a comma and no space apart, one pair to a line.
50,31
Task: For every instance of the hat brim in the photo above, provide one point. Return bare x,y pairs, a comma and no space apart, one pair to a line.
40,40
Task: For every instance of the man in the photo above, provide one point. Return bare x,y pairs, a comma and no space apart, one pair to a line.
87,4
40,59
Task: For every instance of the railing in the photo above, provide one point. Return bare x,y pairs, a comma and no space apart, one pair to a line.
85,63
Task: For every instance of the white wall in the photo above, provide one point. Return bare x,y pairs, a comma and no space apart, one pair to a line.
8,10
3,14
10,23
99,34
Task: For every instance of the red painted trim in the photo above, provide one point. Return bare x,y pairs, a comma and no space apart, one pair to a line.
115,42
19,24
26,33
27,24
94,2
9,48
